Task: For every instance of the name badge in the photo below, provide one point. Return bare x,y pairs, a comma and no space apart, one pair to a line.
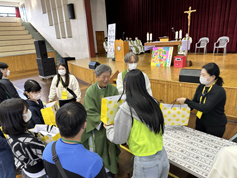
64,95
199,114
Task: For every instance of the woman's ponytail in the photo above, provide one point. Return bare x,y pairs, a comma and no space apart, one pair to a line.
219,81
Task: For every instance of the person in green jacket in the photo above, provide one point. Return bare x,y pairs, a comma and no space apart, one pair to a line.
94,136
140,123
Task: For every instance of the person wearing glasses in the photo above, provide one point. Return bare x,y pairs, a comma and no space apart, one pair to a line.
209,100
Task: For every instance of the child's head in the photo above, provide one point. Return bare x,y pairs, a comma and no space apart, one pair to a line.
32,89
14,116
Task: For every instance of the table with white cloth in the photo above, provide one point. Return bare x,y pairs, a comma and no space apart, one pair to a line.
192,150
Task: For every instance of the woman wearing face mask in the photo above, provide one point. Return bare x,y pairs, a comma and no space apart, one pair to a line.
27,149
209,100
65,86
131,60
139,122
33,95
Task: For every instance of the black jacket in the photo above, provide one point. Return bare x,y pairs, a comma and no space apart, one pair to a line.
36,114
4,94
10,87
214,107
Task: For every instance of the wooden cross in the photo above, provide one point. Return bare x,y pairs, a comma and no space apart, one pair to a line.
189,17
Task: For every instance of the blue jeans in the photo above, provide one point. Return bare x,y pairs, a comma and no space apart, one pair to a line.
154,166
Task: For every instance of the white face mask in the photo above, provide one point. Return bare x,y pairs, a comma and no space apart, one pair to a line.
61,72
8,72
204,81
132,66
36,96
27,115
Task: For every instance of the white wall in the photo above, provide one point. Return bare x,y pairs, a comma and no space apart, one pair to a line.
99,22
77,46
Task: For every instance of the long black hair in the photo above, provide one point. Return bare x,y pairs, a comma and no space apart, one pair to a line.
213,69
31,86
146,107
66,82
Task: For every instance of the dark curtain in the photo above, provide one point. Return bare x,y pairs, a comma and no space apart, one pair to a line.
17,12
213,19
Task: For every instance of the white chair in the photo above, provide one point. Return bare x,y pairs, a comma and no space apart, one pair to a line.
222,44
203,44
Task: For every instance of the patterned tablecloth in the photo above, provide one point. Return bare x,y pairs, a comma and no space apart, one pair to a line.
192,150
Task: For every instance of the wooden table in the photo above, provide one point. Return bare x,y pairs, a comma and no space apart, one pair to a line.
192,150
174,44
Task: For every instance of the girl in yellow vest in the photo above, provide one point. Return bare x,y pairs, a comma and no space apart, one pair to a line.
140,123
209,100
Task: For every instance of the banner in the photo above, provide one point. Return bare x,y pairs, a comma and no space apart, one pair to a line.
162,56
111,39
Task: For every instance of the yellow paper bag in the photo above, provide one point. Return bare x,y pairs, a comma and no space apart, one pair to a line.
46,133
109,108
175,114
49,113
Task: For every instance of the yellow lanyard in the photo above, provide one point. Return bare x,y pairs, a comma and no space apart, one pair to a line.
64,93
203,92
62,84
199,113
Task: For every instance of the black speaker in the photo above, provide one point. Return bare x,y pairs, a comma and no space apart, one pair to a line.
65,59
46,67
189,75
93,64
40,48
70,10
45,63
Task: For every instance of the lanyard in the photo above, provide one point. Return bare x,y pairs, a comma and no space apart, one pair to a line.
70,141
203,92
199,113
62,83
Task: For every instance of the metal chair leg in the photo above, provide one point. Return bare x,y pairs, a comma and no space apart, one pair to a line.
214,51
195,50
217,50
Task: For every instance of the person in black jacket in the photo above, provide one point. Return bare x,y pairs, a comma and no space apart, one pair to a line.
33,95
4,94
209,100
5,81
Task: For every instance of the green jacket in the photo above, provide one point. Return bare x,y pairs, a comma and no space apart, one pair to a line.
104,148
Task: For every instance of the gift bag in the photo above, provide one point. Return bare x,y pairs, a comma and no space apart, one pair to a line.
175,114
46,133
109,108
49,113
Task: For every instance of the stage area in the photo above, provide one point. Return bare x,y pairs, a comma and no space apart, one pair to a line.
164,80
227,64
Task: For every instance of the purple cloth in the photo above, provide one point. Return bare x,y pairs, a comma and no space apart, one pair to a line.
184,45
148,48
